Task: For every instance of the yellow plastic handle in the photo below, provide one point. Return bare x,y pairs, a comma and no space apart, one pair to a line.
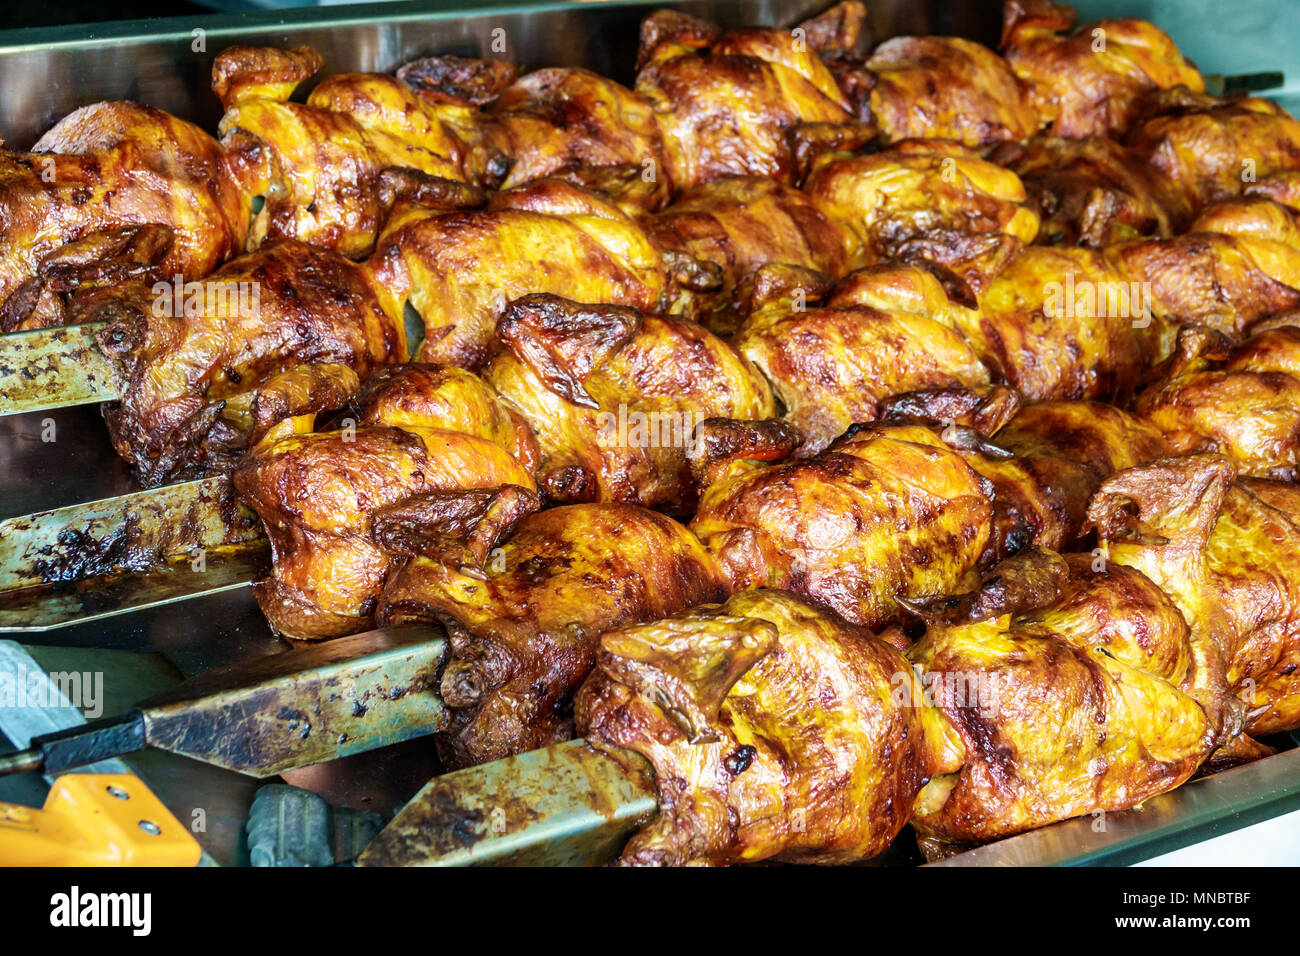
95,819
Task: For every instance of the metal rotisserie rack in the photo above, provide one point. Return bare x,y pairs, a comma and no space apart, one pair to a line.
64,560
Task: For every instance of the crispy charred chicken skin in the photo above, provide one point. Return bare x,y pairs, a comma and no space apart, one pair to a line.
288,330
887,512
1226,552
317,164
754,102
1090,81
458,270
1071,691
930,201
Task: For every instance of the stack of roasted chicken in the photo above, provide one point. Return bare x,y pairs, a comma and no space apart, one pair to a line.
868,435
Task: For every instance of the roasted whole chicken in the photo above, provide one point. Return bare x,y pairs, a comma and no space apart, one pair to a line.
285,331
753,102
928,200
776,730
317,165
1242,402
886,513
113,192
1071,692
1091,81
866,435
1093,191
458,270
615,398
420,430
883,331
1225,551
524,596
766,239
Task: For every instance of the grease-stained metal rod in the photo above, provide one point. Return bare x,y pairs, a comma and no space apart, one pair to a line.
55,368
96,559
276,713
564,805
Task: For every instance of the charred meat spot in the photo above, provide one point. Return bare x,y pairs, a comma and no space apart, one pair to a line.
738,761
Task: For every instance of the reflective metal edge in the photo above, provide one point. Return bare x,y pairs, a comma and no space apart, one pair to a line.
1196,811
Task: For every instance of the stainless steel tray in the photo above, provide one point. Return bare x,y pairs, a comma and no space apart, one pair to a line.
46,73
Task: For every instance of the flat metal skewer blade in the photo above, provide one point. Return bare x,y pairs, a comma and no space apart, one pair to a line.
276,713
100,558
307,705
565,805
55,368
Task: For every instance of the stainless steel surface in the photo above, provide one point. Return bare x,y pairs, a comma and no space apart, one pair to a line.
54,368
307,706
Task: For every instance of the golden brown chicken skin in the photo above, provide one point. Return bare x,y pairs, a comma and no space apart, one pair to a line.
525,598
1217,280
1062,322
884,331
947,88
1216,149
415,429
112,192
285,331
886,513
931,201
459,270
615,397
318,164
1083,693
1090,81
1093,191
1228,554
743,225
577,124
1241,402
754,102
424,395
776,730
